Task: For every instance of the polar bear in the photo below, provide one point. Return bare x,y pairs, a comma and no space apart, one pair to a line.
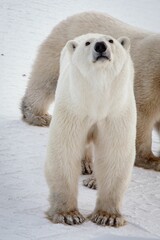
145,52
94,97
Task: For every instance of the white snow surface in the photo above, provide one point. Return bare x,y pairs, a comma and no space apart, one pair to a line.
23,189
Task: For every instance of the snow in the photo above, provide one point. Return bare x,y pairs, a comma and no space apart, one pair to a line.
23,190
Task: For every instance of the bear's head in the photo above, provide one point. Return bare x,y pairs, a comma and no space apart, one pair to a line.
98,52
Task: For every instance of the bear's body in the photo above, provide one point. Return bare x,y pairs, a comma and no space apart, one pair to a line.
94,97
145,52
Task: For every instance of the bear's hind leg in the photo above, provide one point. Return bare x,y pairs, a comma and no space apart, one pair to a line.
87,160
144,156
90,182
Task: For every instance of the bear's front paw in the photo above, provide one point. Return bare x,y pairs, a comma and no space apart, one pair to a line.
43,120
37,120
105,219
70,218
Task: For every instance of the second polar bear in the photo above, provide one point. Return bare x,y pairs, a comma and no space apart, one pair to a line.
94,98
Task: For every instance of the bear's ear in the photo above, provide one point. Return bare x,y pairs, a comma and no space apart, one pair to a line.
71,45
125,42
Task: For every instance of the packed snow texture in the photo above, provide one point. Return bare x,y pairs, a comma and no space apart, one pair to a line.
23,190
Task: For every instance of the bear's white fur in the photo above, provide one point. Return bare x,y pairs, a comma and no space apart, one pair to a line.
93,95
145,53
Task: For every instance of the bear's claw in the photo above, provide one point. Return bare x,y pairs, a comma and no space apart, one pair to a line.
70,218
105,219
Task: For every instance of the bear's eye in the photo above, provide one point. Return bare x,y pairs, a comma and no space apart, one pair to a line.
87,43
111,41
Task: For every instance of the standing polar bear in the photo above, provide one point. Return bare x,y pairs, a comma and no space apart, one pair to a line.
145,53
94,99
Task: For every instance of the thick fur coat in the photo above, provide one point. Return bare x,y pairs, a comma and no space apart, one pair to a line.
145,52
94,97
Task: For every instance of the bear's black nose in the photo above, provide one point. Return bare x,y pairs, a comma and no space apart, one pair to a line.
100,47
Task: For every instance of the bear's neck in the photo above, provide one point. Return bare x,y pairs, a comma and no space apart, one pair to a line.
95,95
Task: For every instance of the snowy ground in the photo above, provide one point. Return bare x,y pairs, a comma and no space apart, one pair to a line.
23,190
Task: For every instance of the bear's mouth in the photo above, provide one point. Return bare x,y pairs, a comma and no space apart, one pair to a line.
101,57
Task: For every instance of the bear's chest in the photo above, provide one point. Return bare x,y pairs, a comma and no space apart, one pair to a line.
91,102
98,106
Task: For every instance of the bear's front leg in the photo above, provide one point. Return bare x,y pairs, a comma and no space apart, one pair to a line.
63,167
115,154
